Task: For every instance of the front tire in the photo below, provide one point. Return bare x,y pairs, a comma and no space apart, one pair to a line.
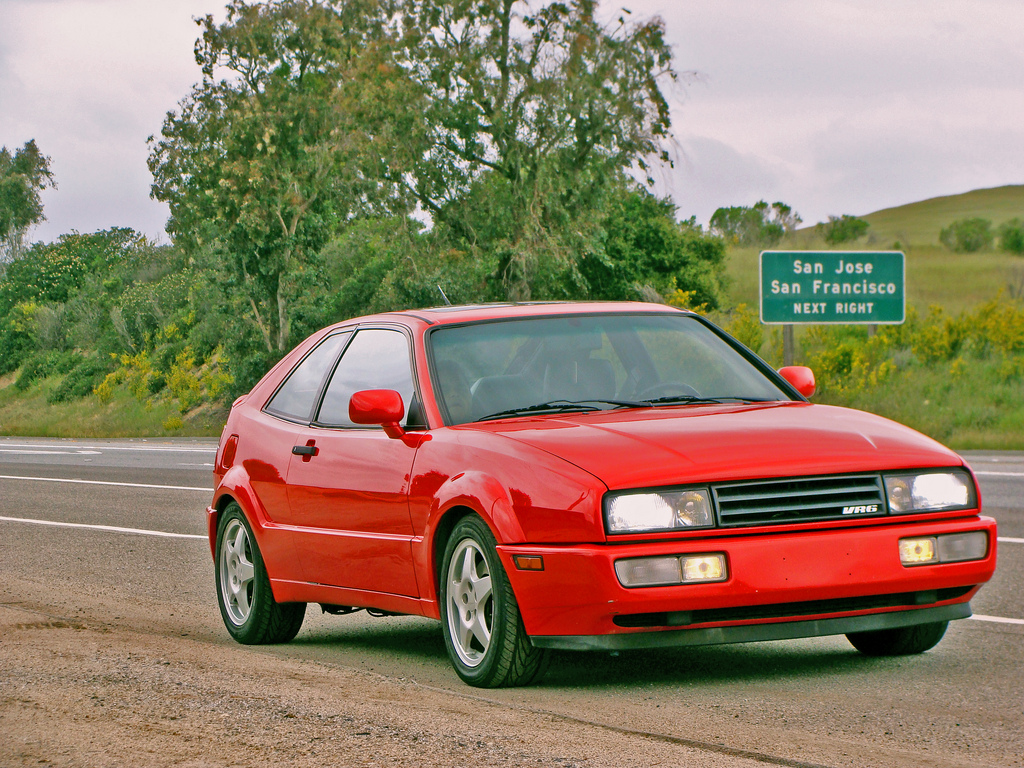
483,630
247,604
902,641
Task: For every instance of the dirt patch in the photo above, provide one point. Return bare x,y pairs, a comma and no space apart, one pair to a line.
75,694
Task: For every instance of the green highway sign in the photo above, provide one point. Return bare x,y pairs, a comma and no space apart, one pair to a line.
803,287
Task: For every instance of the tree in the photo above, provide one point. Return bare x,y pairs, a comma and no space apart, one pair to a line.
305,133
843,229
646,248
1011,236
23,176
533,111
967,235
758,225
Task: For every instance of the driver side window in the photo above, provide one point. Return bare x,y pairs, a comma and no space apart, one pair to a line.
377,358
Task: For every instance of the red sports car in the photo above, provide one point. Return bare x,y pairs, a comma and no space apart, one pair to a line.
581,476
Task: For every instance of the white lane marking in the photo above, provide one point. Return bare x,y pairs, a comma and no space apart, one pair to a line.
1009,540
114,528
997,619
106,482
25,451
998,474
168,449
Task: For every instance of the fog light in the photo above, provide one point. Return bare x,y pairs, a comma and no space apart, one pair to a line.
959,547
703,568
664,571
648,571
918,551
947,548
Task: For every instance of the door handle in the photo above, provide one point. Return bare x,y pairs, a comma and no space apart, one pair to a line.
307,451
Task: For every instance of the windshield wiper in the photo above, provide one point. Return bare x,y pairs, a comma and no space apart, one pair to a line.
679,399
565,406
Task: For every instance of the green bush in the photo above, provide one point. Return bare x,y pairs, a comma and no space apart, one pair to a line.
967,235
81,380
44,364
843,229
1011,236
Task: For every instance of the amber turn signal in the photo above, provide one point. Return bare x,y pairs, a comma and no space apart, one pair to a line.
529,562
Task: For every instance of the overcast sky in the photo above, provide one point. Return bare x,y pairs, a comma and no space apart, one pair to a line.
832,107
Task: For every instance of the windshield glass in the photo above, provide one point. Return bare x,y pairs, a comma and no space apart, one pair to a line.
586,362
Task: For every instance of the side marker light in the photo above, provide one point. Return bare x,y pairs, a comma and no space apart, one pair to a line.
529,562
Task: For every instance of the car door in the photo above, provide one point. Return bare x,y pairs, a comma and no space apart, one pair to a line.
268,442
348,485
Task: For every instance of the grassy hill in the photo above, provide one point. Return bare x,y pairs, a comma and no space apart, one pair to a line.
935,276
917,224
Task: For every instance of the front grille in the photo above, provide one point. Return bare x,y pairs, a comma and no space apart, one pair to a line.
799,500
790,610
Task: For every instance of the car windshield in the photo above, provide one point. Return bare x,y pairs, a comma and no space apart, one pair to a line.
506,368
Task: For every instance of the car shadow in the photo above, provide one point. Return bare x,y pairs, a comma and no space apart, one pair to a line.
419,641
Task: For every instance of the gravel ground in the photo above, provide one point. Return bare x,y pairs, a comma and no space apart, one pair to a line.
75,693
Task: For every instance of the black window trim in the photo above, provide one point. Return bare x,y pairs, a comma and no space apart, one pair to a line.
416,395
350,330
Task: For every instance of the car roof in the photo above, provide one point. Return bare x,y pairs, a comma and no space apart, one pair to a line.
468,313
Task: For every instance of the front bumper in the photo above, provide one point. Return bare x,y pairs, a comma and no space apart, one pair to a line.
780,585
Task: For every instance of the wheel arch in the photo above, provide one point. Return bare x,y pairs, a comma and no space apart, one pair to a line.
230,490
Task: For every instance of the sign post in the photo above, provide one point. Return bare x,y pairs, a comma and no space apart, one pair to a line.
811,287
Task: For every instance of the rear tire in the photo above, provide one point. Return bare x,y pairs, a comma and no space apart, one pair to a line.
247,604
483,630
903,641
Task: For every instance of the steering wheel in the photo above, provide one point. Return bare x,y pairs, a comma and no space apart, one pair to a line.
665,389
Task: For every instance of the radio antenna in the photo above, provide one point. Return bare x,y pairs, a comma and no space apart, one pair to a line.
443,296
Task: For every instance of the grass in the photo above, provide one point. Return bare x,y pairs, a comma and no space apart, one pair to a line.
28,414
919,223
966,406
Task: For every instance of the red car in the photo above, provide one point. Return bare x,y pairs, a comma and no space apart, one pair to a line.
581,476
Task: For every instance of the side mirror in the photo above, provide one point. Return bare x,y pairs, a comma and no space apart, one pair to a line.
801,377
376,406
383,407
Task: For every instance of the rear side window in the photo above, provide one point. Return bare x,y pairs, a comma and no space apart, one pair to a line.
377,358
296,398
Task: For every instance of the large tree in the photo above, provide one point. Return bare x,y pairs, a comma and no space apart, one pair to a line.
290,134
23,175
534,112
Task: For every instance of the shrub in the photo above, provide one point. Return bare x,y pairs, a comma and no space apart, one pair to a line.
967,235
1011,236
81,380
41,365
843,229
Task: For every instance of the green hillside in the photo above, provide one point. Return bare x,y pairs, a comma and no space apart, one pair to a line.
935,275
919,223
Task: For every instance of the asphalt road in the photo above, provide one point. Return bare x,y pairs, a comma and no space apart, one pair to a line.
801,702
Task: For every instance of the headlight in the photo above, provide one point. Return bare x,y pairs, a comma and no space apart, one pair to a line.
930,491
658,511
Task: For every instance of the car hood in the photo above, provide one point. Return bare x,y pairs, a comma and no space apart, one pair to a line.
688,444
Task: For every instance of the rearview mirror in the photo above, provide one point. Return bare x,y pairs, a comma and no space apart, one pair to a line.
801,377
